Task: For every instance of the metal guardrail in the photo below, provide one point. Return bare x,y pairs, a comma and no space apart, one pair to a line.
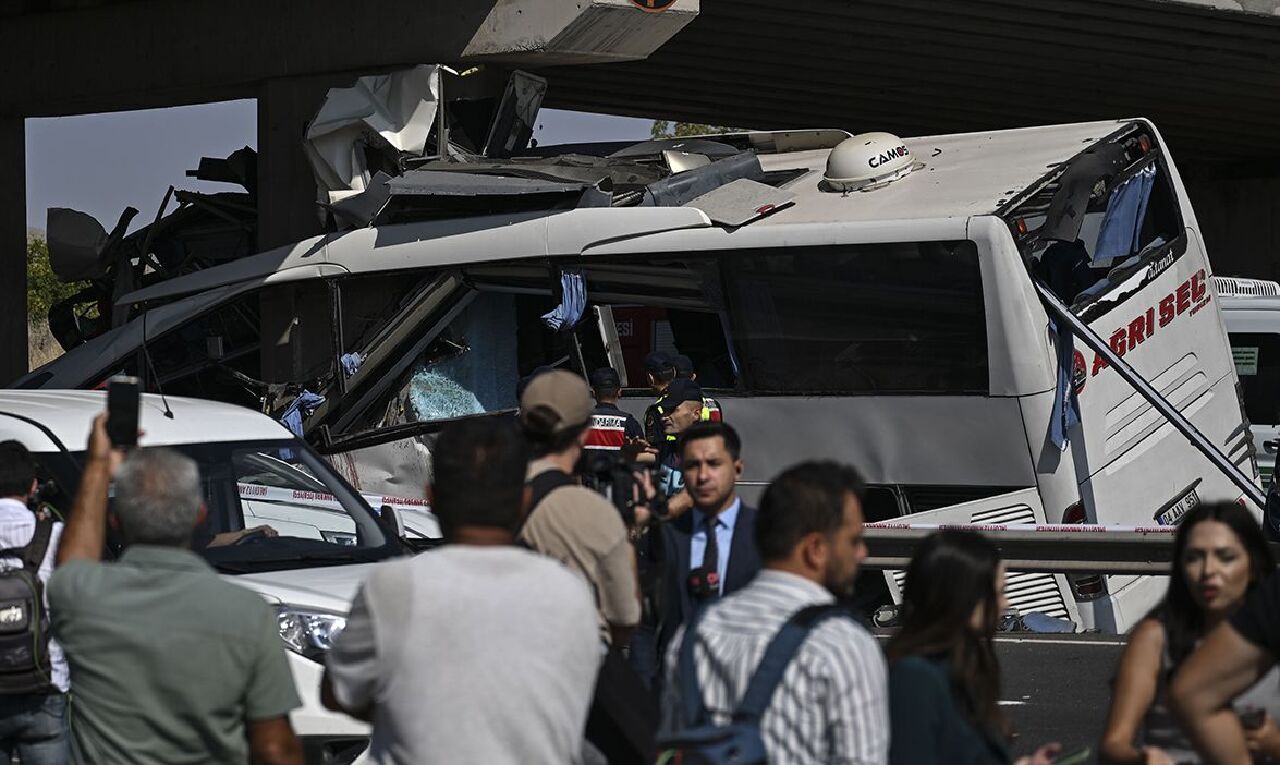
1056,549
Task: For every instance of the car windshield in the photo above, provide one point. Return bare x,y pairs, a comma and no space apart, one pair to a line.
274,505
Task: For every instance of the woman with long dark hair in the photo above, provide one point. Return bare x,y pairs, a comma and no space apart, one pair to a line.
1219,555
944,679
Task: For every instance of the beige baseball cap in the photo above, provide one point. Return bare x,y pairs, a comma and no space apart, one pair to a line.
562,392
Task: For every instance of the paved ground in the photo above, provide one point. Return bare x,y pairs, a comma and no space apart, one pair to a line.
1057,688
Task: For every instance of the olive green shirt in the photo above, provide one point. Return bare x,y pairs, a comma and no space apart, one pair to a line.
168,660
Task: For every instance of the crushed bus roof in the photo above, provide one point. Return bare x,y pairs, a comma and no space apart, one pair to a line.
963,175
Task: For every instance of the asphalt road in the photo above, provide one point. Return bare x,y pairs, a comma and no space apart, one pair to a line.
1057,688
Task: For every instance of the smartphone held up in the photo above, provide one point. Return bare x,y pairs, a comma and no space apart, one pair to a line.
122,411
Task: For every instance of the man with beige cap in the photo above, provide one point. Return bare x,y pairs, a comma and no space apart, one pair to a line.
583,530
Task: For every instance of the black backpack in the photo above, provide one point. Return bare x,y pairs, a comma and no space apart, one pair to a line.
700,742
24,622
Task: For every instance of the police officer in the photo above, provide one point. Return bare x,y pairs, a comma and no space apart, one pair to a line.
685,371
681,407
661,372
610,429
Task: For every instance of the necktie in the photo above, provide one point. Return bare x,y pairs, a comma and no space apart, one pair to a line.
711,556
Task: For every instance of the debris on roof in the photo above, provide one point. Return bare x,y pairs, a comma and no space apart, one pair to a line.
202,230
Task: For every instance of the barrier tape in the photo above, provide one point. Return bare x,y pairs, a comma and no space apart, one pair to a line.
276,494
1060,528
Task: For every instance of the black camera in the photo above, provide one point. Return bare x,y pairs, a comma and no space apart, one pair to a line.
617,479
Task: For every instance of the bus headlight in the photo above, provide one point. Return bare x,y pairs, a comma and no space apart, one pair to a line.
308,632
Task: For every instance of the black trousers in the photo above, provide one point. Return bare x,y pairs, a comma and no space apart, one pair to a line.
623,721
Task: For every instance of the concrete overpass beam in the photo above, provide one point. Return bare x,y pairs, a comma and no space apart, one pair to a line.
13,249
286,213
197,51
551,32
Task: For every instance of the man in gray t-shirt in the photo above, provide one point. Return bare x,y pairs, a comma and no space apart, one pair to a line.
169,663
477,652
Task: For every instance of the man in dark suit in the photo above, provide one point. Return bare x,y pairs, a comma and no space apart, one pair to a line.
710,550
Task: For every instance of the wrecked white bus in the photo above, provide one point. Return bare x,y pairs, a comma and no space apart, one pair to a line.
887,318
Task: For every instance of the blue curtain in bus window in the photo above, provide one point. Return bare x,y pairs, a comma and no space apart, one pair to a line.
572,304
1122,223
1066,406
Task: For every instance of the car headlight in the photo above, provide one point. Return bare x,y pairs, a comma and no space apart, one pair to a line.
343,538
307,632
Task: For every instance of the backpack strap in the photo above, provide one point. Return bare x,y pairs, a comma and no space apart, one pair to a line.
32,553
691,701
39,544
779,653
543,484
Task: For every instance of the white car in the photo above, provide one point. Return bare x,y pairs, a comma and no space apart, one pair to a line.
253,472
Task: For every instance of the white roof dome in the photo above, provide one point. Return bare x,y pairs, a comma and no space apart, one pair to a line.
867,159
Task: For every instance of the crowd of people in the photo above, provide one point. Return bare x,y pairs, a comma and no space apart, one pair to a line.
564,624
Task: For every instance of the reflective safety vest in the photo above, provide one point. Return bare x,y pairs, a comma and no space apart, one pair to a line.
711,412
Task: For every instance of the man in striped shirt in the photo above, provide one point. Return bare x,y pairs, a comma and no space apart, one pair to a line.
832,704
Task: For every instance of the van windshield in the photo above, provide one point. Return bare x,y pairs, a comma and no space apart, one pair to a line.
271,505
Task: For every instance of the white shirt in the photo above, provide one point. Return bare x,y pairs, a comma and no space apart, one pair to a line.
470,655
17,526
832,706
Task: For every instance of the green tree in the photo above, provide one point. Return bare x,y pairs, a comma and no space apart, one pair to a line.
43,286
667,129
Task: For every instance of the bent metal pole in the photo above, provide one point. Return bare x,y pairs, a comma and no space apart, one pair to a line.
1153,397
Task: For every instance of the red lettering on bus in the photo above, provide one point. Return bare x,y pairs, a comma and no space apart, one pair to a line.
1137,332
1198,288
1166,310
1117,341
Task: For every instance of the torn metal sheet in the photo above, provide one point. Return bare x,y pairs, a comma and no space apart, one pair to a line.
679,189
76,242
654,149
513,125
427,194
387,111
429,183
620,174
739,202
679,161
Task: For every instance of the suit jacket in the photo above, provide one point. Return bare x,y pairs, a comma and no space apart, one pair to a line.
675,604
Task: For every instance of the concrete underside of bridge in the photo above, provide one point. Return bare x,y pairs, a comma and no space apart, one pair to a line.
1208,77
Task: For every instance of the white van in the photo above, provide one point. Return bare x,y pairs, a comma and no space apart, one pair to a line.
1251,311
253,471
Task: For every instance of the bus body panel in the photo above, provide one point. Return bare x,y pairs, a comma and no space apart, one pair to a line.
924,440
1132,460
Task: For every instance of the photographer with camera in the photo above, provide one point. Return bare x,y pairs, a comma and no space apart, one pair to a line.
586,532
